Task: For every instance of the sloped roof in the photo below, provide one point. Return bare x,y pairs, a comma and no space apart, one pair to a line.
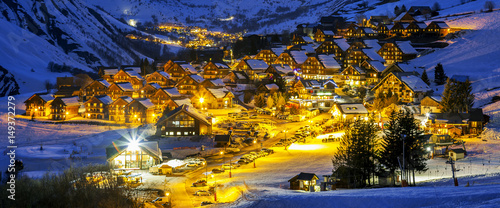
272,86
146,102
372,43
218,92
154,85
133,73
372,54
283,68
120,145
279,50
217,82
103,82
309,48
125,86
329,32
46,97
257,64
188,110
183,101
197,78
105,99
71,101
342,43
164,74
110,71
189,68
415,83
369,30
299,56
221,65
307,39
352,108
442,24
304,177
406,47
329,62
172,91
377,65
240,74
421,25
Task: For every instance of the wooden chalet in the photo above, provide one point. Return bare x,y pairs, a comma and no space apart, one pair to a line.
96,88
312,68
130,76
315,90
62,108
97,107
331,66
145,155
213,83
348,111
184,121
108,73
467,123
215,70
189,84
280,70
38,105
408,87
236,77
117,109
373,71
321,35
365,32
213,98
148,90
399,29
120,89
416,29
404,17
399,67
430,104
180,69
252,67
267,56
354,75
163,99
161,78
398,51
286,59
357,56
384,29
140,111
351,30
437,28
303,181
268,88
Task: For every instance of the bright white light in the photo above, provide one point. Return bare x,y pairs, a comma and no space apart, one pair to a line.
132,22
133,145
175,163
428,149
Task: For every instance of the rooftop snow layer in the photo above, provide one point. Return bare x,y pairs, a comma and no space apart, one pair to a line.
372,55
405,47
172,92
299,56
105,99
189,68
197,78
329,62
372,43
218,93
415,83
342,44
353,108
257,64
125,86
71,101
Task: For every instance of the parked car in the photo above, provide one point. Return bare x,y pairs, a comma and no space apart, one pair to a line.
161,200
243,161
201,182
202,193
279,144
192,164
218,170
236,164
228,166
206,203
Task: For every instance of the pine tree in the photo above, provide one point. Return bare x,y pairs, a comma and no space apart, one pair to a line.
259,100
448,99
396,10
281,101
403,8
439,75
356,154
457,97
468,96
425,78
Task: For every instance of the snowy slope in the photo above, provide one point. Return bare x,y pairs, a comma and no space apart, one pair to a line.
36,33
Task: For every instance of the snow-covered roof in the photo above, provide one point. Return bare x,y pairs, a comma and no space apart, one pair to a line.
241,87
272,86
353,108
221,65
104,82
368,30
126,99
133,73
421,25
184,101
329,62
240,74
436,98
415,83
146,102
136,69
299,56
257,64
309,48
105,99
377,65
71,101
197,78
398,18
406,67
218,93
217,82
110,71
172,92
307,39
278,51
359,69
389,26
406,47
155,85
442,25
164,74
283,68
46,97
372,54
342,44
372,43
328,32
125,86
189,68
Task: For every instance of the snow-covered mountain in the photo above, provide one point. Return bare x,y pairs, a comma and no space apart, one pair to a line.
68,34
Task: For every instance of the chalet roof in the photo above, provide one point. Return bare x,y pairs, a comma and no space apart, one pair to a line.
103,82
372,43
352,108
171,91
146,102
307,39
458,151
257,64
406,67
136,69
372,54
299,56
279,50
329,32
222,138
218,92
71,101
389,26
436,98
441,24
406,47
183,101
105,99
304,177
369,30
282,68
420,25
164,74
46,97
400,17
309,48
357,68
272,86
243,87
133,73
328,62
376,65
342,43
240,75
125,86
197,78
110,71
188,68
120,145
188,110
221,65
415,83
154,85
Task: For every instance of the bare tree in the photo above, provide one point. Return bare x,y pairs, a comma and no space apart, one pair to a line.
436,7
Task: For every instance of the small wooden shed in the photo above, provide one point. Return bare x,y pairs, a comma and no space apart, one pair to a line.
303,181
457,154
